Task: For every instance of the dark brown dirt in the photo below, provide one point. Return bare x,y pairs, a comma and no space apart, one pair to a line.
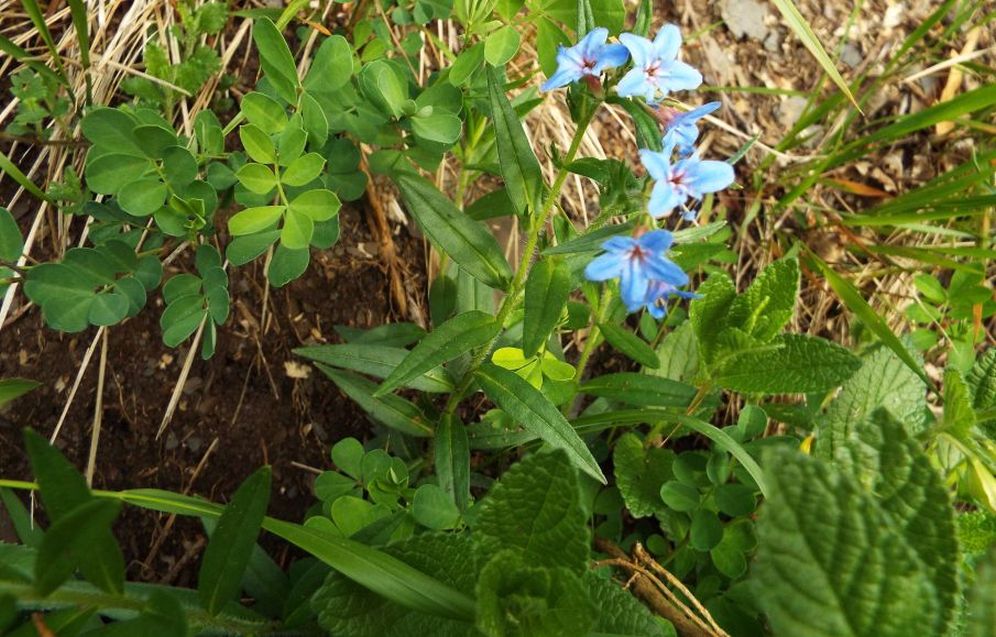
245,398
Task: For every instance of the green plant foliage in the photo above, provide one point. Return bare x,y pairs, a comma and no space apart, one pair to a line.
193,301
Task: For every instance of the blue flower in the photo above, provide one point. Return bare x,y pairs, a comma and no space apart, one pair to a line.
680,129
590,56
658,292
656,69
689,178
637,262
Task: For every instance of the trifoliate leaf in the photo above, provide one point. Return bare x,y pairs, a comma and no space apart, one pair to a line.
534,509
830,563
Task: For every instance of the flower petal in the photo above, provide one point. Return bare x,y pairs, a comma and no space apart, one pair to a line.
605,267
612,55
709,176
656,241
592,43
632,84
663,269
633,285
668,42
664,198
640,48
699,112
658,165
619,244
680,76
562,77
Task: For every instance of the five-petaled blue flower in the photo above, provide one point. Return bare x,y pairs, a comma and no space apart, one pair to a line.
590,56
656,68
658,292
691,177
637,262
680,129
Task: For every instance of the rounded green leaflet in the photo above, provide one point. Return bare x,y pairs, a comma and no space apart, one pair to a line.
297,231
443,128
501,45
332,66
434,508
303,170
706,531
287,265
209,133
255,219
11,242
154,140
107,174
680,496
143,197
257,178
133,289
258,144
291,142
243,249
347,454
735,499
264,112
182,318
112,128
319,204
179,167
314,120
276,59
108,308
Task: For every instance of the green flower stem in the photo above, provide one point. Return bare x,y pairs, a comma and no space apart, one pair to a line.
511,300
83,595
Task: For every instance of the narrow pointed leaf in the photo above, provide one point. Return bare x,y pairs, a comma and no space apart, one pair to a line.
547,290
519,167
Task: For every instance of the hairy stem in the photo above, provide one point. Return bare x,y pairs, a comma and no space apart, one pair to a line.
511,300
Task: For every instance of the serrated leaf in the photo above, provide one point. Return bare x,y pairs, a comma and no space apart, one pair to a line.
619,611
829,563
466,241
518,599
227,555
883,457
547,290
883,380
519,167
376,360
630,344
534,411
766,306
678,355
456,336
982,380
640,473
798,364
535,509
981,620
708,313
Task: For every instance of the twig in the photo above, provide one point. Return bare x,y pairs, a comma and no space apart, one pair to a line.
98,412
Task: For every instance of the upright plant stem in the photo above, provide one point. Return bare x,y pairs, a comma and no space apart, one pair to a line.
511,300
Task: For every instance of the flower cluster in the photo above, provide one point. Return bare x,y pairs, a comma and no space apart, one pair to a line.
647,278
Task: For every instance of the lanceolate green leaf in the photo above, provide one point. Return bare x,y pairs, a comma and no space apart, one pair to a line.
390,410
369,567
547,290
456,336
519,167
531,409
640,390
630,344
12,388
857,304
232,542
466,241
376,360
452,458
75,539
829,563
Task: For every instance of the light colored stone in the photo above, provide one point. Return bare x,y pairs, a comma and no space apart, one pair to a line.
745,17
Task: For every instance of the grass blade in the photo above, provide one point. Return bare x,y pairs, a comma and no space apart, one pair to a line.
78,11
850,296
805,33
725,442
38,19
8,167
